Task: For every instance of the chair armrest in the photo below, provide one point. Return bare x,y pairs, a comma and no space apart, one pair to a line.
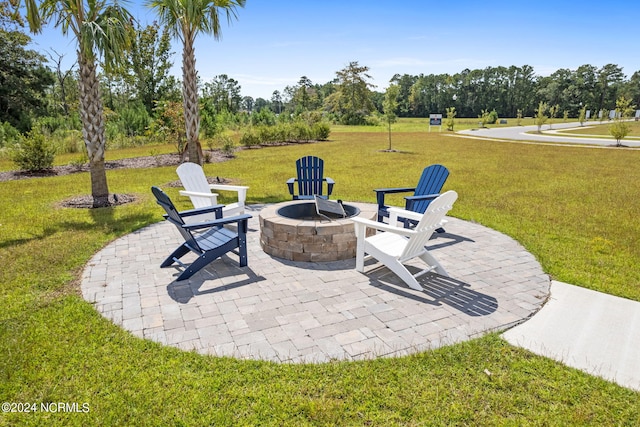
330,183
226,187
423,197
395,190
382,226
410,200
380,193
395,213
290,182
200,211
217,222
197,194
240,189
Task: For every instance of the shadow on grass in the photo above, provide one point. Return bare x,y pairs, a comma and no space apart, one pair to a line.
103,220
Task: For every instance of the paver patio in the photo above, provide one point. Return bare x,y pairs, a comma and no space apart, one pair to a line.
297,312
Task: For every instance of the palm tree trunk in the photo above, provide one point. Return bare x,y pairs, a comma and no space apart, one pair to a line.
93,129
190,102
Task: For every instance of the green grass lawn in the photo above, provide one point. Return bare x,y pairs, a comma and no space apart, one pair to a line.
421,124
602,129
576,209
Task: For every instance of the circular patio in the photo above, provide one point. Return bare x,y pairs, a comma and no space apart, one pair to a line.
310,312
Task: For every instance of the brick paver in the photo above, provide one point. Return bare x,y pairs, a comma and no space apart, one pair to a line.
298,312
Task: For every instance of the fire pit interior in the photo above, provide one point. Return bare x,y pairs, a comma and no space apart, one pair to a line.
307,211
294,231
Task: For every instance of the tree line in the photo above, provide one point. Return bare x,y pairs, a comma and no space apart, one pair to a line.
503,89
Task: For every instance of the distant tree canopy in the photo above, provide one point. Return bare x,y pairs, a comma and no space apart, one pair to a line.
148,64
508,90
351,102
23,80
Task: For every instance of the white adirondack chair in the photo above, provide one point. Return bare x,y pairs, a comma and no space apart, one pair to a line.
198,189
397,245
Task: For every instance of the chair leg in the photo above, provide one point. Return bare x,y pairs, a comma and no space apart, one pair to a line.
394,265
210,256
402,272
360,231
181,251
242,249
203,260
432,262
360,260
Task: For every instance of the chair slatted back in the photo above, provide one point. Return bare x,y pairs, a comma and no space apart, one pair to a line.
310,175
193,179
431,220
174,217
431,182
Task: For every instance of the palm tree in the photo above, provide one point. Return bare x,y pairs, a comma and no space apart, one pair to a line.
100,28
185,19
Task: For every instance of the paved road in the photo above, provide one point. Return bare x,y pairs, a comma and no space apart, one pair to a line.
519,133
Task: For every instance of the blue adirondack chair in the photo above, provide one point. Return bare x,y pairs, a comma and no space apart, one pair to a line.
209,240
310,179
428,188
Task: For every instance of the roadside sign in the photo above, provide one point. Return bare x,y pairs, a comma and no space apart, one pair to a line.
435,119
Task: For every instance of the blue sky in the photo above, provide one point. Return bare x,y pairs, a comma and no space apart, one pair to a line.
274,43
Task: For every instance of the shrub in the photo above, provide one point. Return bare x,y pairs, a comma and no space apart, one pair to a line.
134,119
282,132
170,123
227,144
8,134
374,119
269,134
208,122
68,141
484,118
50,125
310,117
300,132
79,162
451,115
249,138
34,153
493,117
321,131
263,117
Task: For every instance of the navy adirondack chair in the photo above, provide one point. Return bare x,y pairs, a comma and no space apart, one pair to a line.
428,188
310,179
209,240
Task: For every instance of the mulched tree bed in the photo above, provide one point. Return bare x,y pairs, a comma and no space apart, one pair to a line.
86,201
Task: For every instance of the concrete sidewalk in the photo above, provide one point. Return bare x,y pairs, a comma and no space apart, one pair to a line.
588,330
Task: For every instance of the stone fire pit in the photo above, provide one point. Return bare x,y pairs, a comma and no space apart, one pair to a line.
293,231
